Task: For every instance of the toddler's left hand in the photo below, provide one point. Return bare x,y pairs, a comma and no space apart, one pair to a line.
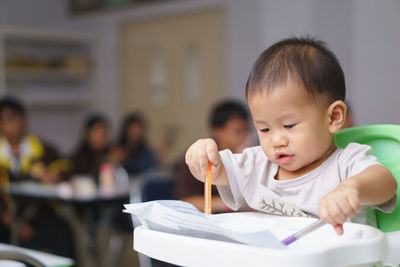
338,205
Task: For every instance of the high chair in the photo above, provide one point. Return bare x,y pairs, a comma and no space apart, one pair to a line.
385,142
155,184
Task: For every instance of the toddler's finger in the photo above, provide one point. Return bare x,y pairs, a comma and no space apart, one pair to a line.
325,215
336,212
189,155
188,158
338,229
355,205
212,153
195,171
202,161
346,208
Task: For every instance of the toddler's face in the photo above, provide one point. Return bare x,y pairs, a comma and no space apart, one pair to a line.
293,130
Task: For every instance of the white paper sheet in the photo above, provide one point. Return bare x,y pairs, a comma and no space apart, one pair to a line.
182,218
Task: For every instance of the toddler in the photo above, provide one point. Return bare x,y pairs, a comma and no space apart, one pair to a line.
295,93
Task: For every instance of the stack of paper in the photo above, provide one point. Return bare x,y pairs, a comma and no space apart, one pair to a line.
182,218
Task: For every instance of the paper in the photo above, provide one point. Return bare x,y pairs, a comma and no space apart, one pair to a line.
182,218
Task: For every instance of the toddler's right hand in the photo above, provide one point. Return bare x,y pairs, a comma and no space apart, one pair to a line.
198,155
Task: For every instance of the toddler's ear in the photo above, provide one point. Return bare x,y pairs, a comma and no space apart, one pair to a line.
337,115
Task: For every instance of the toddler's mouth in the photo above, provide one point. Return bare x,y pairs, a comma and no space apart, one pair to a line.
283,157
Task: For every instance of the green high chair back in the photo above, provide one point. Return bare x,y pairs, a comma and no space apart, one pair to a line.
385,142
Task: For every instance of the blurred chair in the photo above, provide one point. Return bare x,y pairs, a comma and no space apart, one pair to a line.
156,184
384,140
20,257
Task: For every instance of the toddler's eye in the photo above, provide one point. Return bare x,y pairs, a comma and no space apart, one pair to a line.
289,126
265,130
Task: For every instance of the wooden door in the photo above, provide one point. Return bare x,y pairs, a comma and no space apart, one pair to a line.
173,70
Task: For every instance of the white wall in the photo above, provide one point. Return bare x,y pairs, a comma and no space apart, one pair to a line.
362,33
242,24
281,19
48,15
377,61
243,40
330,21
2,12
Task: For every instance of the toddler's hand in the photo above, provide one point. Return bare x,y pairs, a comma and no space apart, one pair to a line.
198,155
338,205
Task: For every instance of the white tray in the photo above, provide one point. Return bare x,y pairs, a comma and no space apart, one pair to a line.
361,245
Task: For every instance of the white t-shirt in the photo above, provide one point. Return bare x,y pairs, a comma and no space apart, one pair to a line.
251,181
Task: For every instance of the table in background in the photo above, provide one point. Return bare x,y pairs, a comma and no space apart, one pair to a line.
46,258
78,212
320,248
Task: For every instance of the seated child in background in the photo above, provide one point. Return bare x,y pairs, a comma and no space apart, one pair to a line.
22,154
295,92
139,156
94,146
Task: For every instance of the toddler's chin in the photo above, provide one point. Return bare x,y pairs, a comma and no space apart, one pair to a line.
290,168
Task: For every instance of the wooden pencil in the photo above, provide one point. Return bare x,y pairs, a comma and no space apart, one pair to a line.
207,190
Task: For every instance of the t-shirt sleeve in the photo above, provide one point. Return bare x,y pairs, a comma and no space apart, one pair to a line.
358,157
235,166
388,206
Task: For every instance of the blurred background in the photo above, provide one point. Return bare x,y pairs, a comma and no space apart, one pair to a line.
172,60
166,63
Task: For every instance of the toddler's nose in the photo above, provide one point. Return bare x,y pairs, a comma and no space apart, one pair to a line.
278,139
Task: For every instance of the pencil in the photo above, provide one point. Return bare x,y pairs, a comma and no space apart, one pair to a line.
314,226
207,191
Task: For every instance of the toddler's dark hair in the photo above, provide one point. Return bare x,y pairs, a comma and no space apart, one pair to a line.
306,60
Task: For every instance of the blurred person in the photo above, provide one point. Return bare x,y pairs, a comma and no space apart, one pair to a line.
135,155
230,127
24,156
5,221
138,155
26,231
165,143
93,147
